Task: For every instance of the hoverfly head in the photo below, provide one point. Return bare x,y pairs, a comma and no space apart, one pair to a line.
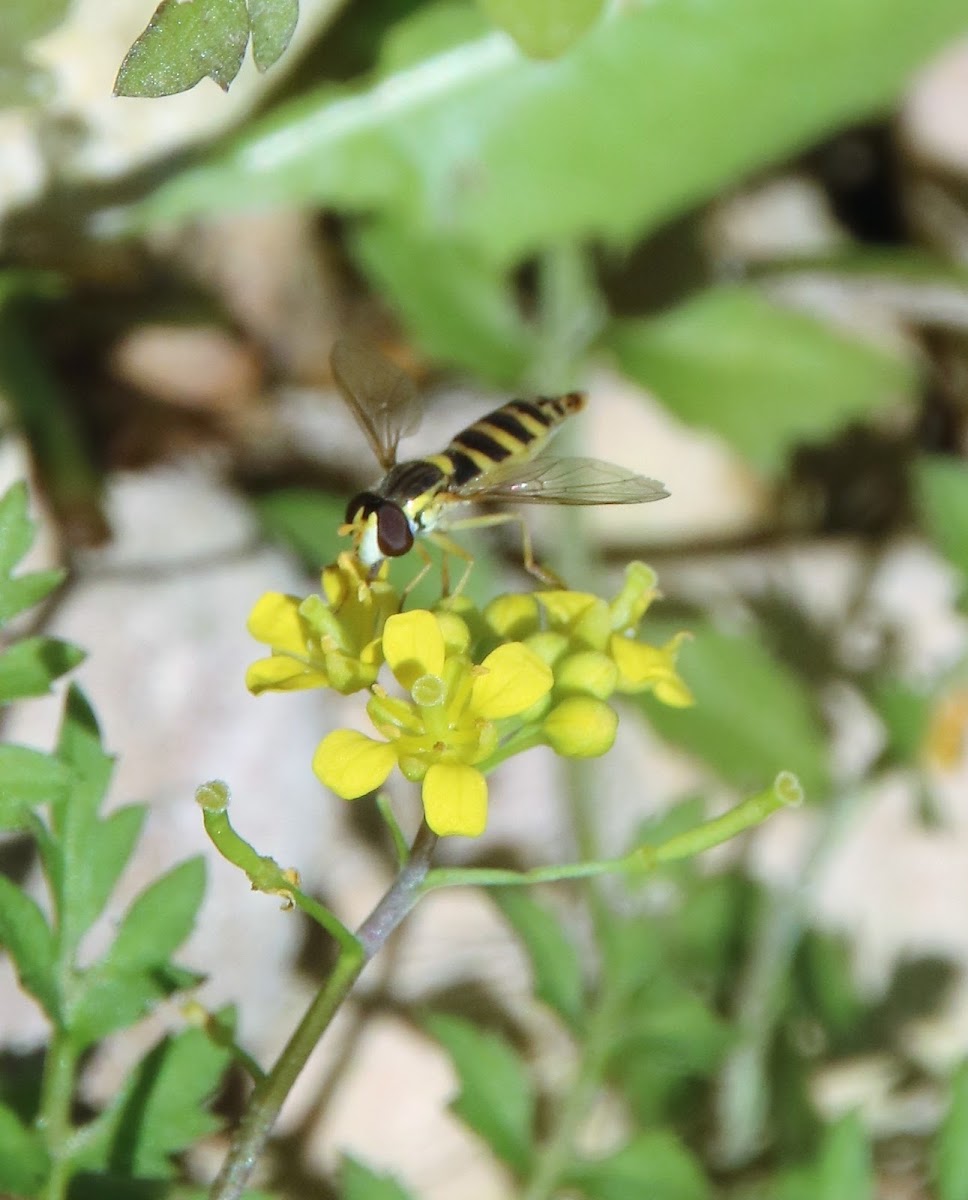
380,528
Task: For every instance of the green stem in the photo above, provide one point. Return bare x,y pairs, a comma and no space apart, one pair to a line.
54,1123
269,1095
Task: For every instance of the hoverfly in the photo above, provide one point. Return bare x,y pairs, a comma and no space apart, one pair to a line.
497,459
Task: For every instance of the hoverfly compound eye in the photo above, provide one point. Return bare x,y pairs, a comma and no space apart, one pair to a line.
360,507
393,533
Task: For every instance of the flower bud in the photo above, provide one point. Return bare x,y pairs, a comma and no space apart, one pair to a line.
587,672
581,727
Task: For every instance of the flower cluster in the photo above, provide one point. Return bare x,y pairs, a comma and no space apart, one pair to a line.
477,686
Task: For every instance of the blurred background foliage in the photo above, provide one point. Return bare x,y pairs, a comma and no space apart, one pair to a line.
731,208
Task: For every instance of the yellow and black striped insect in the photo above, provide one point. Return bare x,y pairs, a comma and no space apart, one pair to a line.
497,459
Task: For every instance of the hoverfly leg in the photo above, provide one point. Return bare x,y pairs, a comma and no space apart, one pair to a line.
530,564
453,550
428,562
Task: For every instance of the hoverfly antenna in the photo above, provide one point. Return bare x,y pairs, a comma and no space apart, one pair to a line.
362,504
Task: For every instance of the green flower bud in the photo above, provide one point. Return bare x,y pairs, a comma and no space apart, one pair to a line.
587,672
581,727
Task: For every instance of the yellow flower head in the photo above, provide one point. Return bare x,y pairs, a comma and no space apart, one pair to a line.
445,727
333,642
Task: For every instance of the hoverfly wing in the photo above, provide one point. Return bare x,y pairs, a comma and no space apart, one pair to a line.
552,480
382,398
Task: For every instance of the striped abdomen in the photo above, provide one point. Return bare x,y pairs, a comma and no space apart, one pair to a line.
517,430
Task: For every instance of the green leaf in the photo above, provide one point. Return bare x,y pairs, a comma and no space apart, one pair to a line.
906,713
765,378
544,28
23,1161
27,938
654,1165
30,666
844,1167
554,959
160,918
110,847
108,1000
358,1182
942,492
28,778
825,961
496,1098
183,44
658,108
306,520
26,20
78,890
459,308
273,24
160,1110
950,1166
17,595
752,718
16,528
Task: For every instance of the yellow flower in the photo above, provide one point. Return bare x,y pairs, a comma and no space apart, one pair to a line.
447,725
333,642
645,668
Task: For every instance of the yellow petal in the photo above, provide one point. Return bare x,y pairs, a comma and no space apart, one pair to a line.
413,645
275,621
456,635
455,800
511,679
351,763
563,607
643,668
581,727
630,605
280,673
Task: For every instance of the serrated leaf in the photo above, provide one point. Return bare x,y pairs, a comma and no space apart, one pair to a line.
27,938
544,28
185,42
942,492
110,847
554,959
654,1165
76,890
662,106
359,1182
108,1000
273,23
23,1160
752,718
950,1158
459,308
28,778
496,1098
16,528
160,1110
159,919
765,378
30,666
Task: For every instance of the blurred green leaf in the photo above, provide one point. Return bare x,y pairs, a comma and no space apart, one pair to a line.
844,1167
752,717
307,521
359,1182
459,307
544,28
23,1161
950,1166
30,666
26,20
765,378
906,713
27,938
273,24
496,1098
184,44
654,1165
159,919
655,110
160,1109
824,964
942,492
28,778
108,1000
16,538
553,956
